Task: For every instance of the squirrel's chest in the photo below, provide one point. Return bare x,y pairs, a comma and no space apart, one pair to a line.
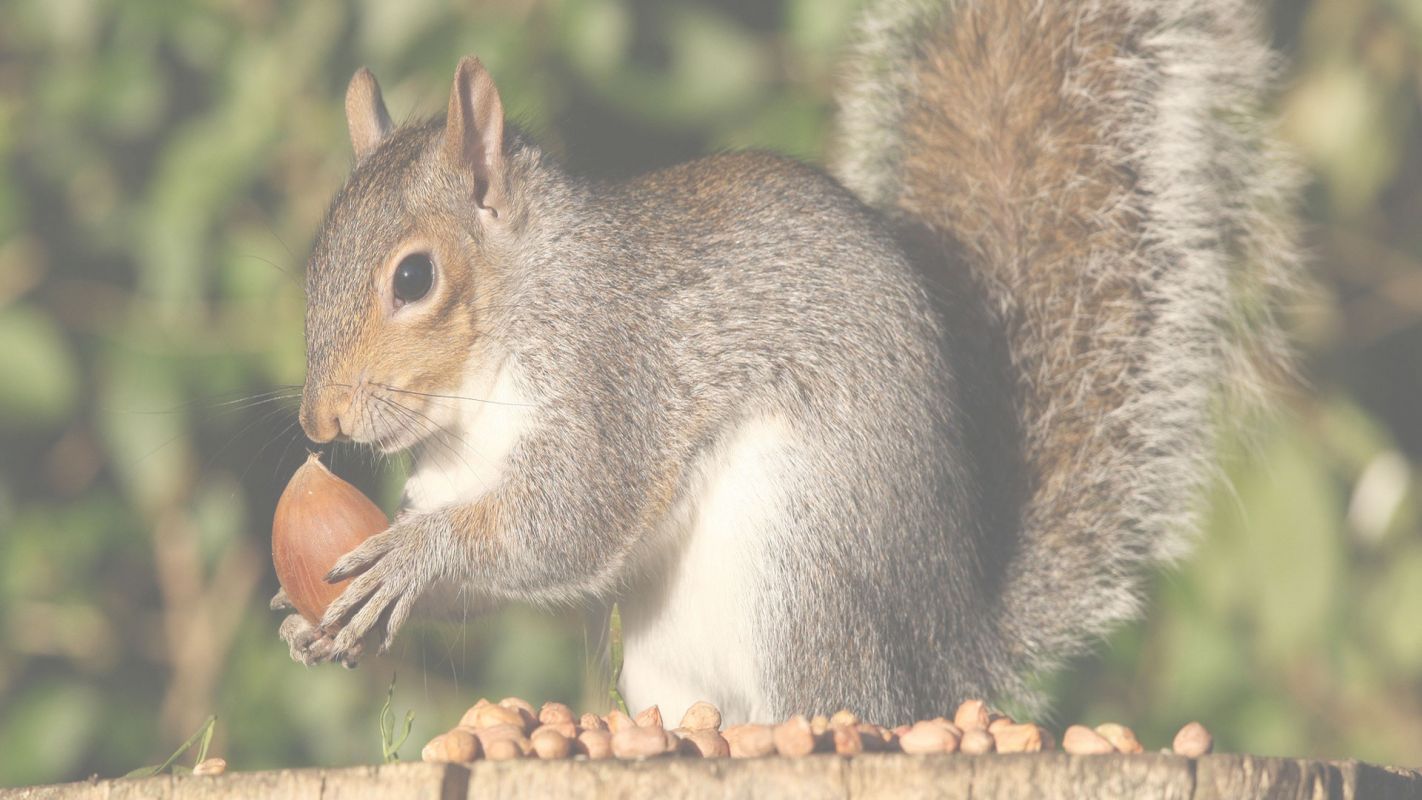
690,626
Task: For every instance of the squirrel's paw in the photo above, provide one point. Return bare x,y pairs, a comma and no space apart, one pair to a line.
391,572
309,645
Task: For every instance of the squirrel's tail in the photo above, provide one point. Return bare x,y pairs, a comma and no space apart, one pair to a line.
1099,174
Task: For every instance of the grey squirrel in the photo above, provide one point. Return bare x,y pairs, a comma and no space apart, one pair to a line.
883,440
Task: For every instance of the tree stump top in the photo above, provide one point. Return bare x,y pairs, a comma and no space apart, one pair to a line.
879,775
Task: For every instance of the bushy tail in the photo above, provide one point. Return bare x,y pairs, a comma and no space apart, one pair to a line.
1100,174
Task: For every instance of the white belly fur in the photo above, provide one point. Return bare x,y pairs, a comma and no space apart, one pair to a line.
468,459
687,627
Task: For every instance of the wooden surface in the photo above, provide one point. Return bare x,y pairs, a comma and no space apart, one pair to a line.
888,775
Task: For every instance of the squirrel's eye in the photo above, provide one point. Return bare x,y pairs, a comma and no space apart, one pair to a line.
413,278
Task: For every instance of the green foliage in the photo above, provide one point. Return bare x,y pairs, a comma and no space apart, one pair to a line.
163,167
202,738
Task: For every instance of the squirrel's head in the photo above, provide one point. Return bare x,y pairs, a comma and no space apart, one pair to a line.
397,273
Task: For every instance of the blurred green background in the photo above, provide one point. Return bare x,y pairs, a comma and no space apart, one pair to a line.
163,166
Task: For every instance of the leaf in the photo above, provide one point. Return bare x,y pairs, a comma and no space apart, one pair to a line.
203,736
41,374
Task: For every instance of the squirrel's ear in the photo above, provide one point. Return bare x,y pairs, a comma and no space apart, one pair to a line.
365,113
474,131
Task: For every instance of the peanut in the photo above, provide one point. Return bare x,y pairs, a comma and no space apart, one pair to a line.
704,743
210,767
617,721
926,737
1015,738
1083,741
848,741
702,716
976,742
971,714
649,717
550,743
750,741
503,750
592,722
793,737
595,744
555,712
1120,737
639,742
1193,741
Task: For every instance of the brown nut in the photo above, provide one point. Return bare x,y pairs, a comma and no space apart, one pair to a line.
1083,741
1122,738
750,741
649,717
456,746
971,714
496,733
549,743
996,721
926,737
567,729
487,716
1193,741
592,722
639,742
843,717
848,741
319,518
595,744
504,750
617,721
555,712
946,723
793,737
524,709
210,767
976,742
703,743
702,716
1018,738
819,725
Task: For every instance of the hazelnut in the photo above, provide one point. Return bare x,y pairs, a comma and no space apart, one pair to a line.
319,518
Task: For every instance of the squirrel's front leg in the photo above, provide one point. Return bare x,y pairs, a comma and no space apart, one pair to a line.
391,571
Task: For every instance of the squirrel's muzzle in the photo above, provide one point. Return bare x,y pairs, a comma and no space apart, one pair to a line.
322,409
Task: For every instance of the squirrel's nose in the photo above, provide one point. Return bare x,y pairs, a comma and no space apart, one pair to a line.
321,414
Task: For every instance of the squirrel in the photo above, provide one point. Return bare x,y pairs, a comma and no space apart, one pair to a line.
883,437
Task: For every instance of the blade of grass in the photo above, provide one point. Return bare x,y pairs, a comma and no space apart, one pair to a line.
202,735
615,628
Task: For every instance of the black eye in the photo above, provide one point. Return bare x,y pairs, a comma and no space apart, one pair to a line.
413,278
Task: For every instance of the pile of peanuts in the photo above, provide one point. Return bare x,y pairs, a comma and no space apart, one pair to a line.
511,729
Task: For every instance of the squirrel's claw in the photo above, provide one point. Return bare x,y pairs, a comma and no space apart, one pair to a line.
389,576
309,646
280,602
